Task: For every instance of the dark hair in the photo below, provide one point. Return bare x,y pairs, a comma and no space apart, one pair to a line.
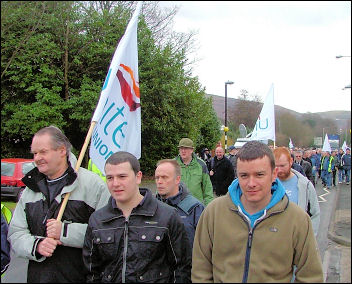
253,150
57,137
122,157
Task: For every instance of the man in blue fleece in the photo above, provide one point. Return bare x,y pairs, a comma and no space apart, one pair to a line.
253,233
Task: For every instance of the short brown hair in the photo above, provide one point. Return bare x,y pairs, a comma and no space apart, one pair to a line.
172,162
122,157
253,150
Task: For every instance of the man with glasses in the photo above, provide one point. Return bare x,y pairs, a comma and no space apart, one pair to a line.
307,167
194,172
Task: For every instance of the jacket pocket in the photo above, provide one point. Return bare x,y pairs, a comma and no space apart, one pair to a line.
159,275
151,242
107,242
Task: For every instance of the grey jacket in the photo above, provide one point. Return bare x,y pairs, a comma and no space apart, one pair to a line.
307,196
27,227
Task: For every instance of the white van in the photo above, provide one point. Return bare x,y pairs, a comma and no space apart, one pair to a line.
241,141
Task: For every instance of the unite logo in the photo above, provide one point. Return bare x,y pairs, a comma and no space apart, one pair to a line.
258,124
132,99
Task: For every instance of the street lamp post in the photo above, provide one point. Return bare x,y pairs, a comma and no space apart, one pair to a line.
226,128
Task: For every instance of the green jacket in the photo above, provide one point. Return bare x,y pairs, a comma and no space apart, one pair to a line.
281,239
196,176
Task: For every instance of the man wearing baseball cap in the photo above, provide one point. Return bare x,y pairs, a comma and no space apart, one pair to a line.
194,172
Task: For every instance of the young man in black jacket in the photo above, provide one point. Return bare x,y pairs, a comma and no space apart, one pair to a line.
135,237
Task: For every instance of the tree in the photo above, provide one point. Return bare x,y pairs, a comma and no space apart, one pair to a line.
57,78
245,111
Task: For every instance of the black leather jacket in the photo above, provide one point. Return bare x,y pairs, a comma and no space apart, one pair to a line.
149,246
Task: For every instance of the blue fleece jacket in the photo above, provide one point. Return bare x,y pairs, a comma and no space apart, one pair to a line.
277,190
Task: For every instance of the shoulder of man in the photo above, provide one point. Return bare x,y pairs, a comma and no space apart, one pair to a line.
86,175
305,163
201,163
301,178
188,203
102,213
91,188
297,211
227,159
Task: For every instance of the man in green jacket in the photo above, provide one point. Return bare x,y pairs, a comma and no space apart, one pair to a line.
194,172
253,233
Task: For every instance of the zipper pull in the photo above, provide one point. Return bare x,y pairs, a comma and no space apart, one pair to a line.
250,239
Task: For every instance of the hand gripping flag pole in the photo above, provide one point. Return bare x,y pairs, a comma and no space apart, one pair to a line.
120,92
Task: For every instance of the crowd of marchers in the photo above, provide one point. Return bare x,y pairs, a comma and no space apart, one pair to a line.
251,215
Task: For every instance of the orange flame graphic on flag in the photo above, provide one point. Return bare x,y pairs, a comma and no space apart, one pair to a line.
126,91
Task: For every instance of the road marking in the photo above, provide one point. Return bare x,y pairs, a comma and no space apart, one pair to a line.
321,196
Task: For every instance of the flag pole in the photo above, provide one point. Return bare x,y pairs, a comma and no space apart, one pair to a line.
103,97
78,164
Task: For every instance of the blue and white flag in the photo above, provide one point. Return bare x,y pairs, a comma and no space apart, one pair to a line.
118,113
290,144
265,125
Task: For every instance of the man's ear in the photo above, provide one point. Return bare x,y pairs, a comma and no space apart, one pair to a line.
178,179
62,150
274,176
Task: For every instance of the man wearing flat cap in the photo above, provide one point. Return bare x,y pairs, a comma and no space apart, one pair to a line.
194,172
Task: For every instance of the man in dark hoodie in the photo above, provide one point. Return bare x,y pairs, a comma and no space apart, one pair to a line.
221,172
173,192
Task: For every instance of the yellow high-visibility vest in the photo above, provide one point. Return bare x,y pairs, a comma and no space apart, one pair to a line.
6,212
92,167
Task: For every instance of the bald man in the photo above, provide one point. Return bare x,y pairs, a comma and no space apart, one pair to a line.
221,172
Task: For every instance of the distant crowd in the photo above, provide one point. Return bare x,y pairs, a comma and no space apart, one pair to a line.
310,162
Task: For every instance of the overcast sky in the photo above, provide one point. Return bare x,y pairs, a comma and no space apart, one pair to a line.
290,44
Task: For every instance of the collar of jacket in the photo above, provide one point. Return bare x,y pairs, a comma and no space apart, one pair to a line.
147,208
34,178
176,199
194,159
217,161
297,173
279,199
279,207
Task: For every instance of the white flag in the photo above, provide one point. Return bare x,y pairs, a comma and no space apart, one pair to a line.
118,113
290,144
344,146
326,145
265,125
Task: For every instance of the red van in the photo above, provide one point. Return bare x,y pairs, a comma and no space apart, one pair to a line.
12,171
